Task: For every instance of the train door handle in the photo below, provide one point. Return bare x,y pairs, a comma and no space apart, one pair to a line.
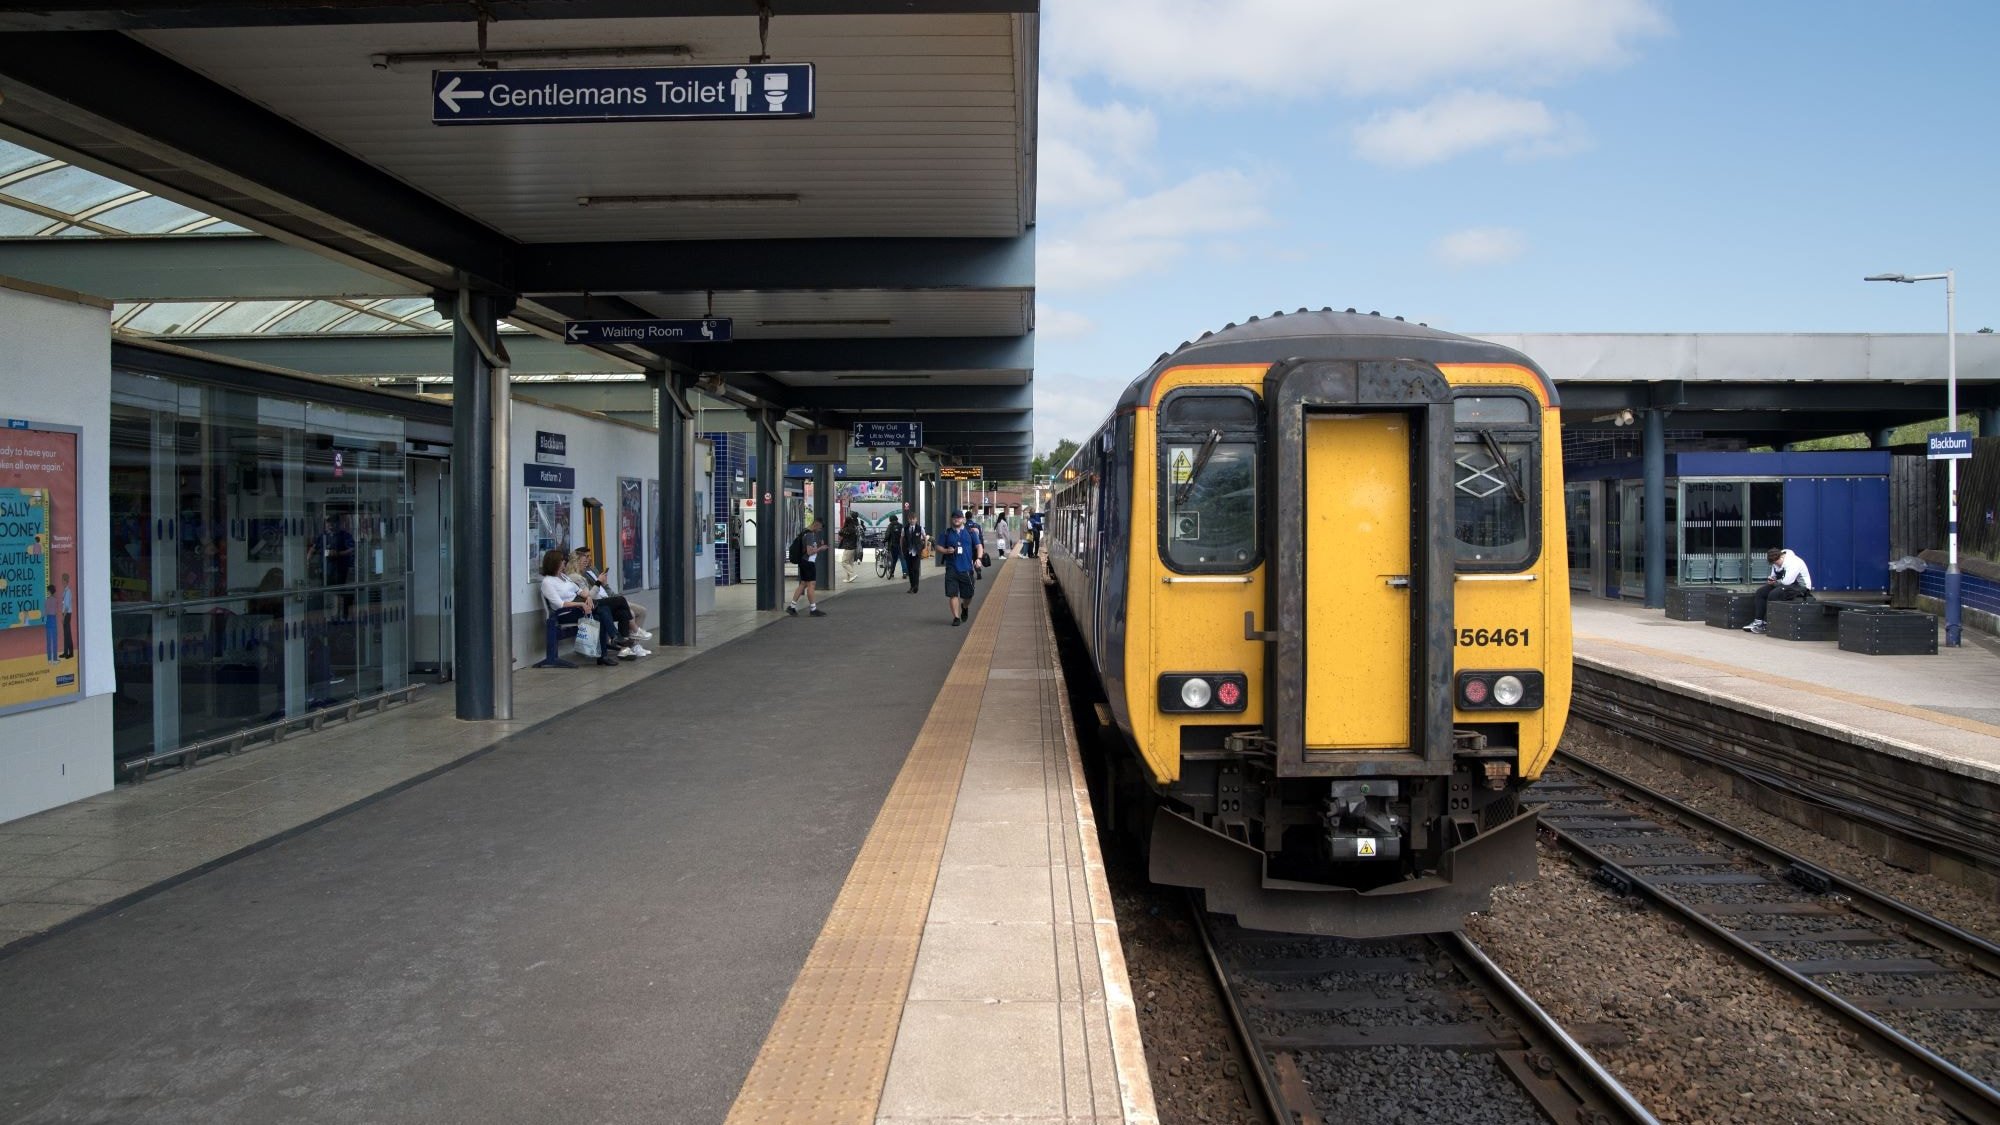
1252,633
1399,581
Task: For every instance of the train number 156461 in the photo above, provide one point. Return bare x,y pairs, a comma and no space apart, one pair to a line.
1471,638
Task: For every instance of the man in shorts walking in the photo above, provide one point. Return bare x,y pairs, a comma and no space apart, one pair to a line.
806,550
959,551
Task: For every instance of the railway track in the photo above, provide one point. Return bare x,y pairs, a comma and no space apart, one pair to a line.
1918,990
1341,1031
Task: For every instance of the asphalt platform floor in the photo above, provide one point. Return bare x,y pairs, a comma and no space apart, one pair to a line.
597,920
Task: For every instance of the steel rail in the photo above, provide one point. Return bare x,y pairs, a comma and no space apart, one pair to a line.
1959,837
1983,953
1559,1075
1962,1091
1275,1107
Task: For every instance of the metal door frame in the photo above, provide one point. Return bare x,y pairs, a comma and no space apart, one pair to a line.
1292,390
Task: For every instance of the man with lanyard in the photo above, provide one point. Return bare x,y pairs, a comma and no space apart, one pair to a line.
1034,535
1790,581
959,548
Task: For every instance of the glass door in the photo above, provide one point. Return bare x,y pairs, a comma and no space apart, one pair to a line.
1580,502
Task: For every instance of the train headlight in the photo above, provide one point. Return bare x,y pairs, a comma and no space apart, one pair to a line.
1183,692
1500,691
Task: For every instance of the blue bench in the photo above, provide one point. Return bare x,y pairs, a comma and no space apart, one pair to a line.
554,632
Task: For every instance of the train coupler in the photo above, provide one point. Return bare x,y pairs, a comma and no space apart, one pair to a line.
1360,824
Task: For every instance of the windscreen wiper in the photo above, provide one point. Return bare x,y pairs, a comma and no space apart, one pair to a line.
1499,456
1201,457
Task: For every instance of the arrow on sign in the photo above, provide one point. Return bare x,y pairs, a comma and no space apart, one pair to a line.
575,332
451,95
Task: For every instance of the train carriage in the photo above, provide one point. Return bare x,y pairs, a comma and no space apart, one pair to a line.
1317,563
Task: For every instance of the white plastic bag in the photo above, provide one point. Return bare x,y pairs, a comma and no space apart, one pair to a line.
589,642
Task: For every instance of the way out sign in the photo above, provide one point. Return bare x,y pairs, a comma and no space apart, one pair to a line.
622,93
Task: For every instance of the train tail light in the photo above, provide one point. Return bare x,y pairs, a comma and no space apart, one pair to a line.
1499,691
1199,692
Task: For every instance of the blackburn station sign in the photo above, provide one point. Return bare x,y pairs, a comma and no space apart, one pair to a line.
623,93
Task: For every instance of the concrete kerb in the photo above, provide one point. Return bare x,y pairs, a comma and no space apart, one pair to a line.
1128,1049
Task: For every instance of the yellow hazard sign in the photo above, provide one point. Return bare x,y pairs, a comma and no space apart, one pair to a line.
1181,457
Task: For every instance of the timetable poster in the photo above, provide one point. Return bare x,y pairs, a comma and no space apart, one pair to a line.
41,611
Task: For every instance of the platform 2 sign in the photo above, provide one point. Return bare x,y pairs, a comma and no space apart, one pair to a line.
622,93
708,330
41,588
1950,445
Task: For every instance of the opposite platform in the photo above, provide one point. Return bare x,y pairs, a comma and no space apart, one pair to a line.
1941,710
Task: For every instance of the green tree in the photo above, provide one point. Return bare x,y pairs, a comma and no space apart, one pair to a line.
1046,464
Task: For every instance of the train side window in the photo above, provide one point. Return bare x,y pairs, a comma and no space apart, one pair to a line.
1209,473
1496,474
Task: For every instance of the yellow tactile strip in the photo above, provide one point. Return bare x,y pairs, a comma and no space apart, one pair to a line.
828,1052
1941,718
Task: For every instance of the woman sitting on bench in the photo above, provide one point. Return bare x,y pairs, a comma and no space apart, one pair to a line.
567,604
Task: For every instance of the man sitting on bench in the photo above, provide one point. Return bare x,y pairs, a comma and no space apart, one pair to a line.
1790,581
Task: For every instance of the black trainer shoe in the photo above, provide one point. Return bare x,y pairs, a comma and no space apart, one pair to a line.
815,611
792,610
955,621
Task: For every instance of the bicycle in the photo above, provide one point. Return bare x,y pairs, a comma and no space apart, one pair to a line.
885,563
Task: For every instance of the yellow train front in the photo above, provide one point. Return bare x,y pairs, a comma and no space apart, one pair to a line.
1319,565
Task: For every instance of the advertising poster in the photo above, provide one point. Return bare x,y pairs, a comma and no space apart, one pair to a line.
548,524
41,611
631,534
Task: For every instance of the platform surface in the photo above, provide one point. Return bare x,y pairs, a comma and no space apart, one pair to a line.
1942,709
598,916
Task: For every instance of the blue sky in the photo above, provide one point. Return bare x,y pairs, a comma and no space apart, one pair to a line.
1504,165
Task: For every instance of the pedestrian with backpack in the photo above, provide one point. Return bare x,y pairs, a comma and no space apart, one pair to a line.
959,548
807,546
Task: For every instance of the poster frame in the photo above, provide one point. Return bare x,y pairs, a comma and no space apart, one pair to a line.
82,541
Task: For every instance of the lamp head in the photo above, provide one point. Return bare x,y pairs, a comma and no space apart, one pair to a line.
1890,277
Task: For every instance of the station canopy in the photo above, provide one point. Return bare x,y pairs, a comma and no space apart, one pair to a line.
265,182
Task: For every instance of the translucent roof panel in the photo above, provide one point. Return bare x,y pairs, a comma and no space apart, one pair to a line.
68,189
151,215
65,201
241,318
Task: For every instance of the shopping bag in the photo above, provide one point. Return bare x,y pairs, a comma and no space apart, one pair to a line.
589,642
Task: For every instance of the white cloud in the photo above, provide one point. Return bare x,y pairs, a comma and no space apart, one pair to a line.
1210,50
1061,324
1086,151
1462,121
1480,246
1146,233
1092,263
1073,406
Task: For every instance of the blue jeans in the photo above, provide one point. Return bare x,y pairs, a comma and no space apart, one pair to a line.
49,631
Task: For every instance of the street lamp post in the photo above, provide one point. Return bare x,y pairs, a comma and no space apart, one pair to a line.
1951,576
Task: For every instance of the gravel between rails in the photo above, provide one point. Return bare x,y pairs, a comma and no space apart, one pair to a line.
1709,1041
1961,907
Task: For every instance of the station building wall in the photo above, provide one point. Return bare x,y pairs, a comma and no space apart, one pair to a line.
601,451
55,368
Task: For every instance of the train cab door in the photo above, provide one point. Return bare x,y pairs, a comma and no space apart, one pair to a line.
1362,577
1358,612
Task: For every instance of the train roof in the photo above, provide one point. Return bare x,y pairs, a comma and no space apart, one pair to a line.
1327,334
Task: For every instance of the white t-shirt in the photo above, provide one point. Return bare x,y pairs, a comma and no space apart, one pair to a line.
1791,569
558,590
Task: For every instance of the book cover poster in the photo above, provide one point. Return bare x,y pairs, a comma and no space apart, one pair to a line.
41,615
